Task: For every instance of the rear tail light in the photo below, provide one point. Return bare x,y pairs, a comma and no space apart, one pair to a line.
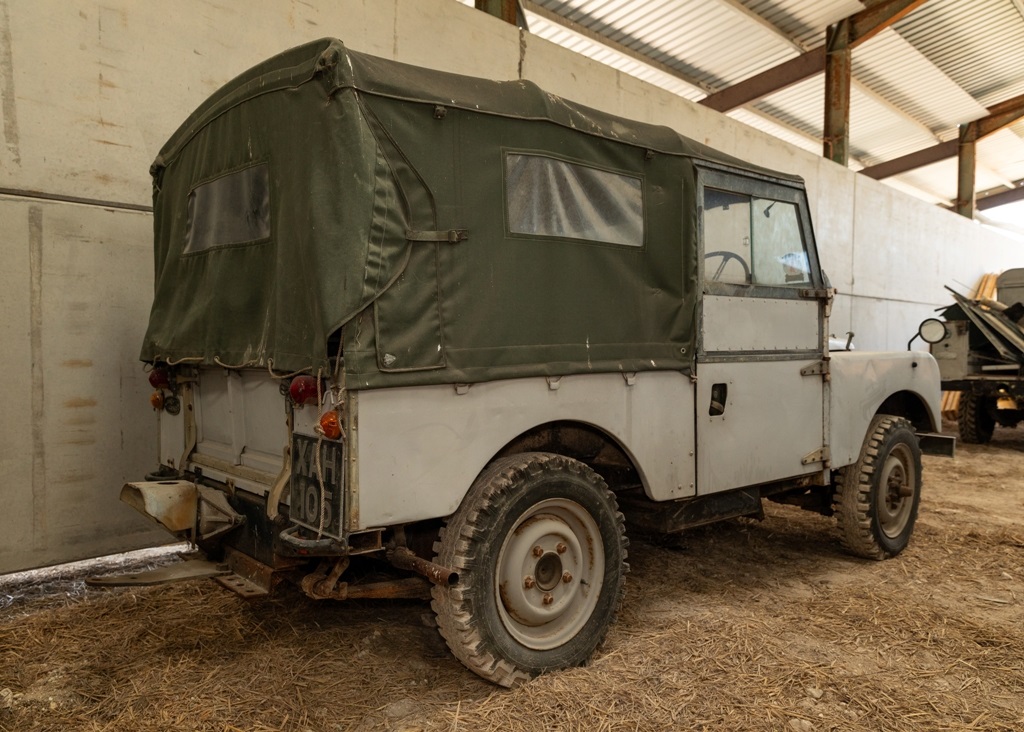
330,424
303,389
160,377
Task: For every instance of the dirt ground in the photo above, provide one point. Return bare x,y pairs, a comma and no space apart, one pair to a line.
742,626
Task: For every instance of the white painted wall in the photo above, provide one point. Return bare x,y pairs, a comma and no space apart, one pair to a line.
89,93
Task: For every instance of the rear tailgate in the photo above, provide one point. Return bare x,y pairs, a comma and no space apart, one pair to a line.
241,420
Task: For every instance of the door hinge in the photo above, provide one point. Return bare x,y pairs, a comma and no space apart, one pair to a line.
821,455
822,293
827,294
815,369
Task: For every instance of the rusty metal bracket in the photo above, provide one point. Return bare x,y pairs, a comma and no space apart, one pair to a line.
322,584
327,546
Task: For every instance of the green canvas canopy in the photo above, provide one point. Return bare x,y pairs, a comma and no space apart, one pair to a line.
432,227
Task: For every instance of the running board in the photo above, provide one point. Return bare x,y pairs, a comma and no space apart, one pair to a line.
671,517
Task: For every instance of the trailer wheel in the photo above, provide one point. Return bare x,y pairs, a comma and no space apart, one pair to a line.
877,497
540,548
975,418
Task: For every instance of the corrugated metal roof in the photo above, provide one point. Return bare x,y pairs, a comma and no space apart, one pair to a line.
942,65
802,21
890,65
727,48
979,44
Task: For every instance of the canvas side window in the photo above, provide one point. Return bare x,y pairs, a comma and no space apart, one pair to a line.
232,209
753,240
549,197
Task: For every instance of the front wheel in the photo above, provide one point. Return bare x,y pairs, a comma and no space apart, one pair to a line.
540,548
877,497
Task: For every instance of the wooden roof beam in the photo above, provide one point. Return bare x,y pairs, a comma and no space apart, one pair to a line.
912,161
999,116
1002,197
862,26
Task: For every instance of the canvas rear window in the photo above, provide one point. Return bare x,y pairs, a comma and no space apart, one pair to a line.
550,197
230,210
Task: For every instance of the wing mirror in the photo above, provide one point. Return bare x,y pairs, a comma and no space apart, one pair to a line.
930,331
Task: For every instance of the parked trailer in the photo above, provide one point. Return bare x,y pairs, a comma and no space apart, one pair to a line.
421,334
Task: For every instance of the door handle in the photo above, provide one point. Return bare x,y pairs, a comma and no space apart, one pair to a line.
719,398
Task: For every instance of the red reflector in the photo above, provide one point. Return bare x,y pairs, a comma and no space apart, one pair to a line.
331,426
160,378
303,389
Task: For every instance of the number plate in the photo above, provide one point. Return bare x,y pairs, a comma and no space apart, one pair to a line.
305,484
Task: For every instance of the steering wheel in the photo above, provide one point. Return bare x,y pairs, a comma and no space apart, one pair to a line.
726,256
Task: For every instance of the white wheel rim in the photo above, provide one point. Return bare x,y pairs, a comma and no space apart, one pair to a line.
897,483
549,574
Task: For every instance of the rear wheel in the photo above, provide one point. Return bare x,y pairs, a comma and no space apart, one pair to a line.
877,497
540,549
975,418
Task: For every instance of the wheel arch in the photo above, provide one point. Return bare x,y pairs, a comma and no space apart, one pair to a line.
595,447
912,407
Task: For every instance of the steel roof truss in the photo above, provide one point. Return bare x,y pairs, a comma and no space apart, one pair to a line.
859,28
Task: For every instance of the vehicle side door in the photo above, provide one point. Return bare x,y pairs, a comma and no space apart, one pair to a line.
761,345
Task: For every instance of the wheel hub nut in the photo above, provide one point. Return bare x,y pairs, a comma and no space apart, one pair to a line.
529,582
538,551
561,548
567,578
548,599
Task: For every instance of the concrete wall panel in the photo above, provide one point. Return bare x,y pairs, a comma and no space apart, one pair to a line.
78,422
16,392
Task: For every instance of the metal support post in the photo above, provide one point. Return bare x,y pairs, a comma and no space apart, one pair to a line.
838,57
507,10
966,160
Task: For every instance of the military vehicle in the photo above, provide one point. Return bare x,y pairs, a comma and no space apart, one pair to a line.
419,334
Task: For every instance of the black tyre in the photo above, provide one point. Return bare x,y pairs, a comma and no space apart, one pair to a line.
540,548
877,497
975,418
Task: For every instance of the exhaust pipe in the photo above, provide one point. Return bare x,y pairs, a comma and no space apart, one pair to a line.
403,558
